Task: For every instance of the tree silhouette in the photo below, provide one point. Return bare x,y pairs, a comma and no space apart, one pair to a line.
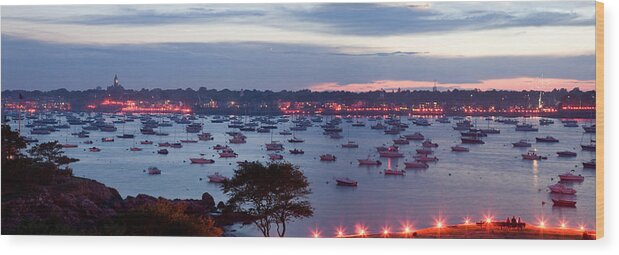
273,194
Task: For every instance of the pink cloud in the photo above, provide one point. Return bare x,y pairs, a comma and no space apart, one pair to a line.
521,83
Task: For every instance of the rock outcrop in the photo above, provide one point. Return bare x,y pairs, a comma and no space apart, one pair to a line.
79,203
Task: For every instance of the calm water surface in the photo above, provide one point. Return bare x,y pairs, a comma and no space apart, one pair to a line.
491,179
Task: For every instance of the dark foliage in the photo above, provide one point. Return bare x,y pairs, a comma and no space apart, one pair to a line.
273,194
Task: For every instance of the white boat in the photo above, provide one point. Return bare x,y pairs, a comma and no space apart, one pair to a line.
350,144
531,155
153,170
522,143
217,178
561,189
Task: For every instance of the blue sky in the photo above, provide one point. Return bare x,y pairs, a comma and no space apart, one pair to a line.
353,47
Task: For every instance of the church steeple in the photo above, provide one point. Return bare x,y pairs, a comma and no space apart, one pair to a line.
116,81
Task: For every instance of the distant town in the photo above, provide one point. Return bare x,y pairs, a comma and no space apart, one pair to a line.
115,98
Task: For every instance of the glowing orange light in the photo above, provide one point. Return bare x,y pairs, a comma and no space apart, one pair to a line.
542,224
386,230
439,224
316,233
467,221
340,231
362,230
582,227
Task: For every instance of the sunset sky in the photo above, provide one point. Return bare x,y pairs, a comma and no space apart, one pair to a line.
355,47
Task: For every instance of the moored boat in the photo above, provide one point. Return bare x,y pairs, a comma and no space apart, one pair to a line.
566,154
201,161
522,143
416,165
589,164
275,156
561,189
69,145
563,203
369,162
547,139
343,181
393,172
327,157
153,170
472,140
350,144
217,178
459,148
227,153
296,151
415,136
429,144
531,155
571,177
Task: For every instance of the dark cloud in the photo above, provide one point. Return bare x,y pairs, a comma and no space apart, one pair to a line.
376,19
44,66
143,16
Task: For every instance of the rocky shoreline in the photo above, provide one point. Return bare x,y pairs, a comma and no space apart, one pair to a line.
84,205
